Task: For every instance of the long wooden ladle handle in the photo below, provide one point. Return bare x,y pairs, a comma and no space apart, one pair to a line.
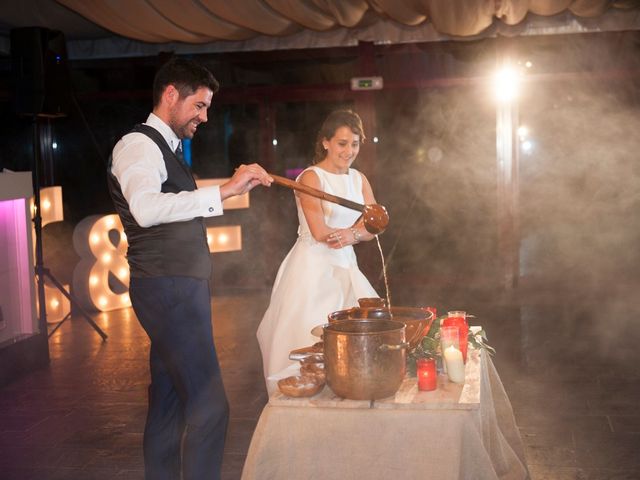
375,217
285,182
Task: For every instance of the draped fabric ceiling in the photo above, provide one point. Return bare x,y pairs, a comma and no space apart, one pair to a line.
127,28
203,21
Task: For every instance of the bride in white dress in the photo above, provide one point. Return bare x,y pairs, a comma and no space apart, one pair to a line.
320,273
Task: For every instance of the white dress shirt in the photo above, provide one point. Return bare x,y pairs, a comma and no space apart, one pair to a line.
138,165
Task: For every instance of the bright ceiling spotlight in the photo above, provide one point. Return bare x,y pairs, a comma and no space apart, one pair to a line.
506,84
527,146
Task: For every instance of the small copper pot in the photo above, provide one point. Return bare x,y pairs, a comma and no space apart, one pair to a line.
365,359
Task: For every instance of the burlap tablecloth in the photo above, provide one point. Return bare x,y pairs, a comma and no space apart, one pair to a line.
452,433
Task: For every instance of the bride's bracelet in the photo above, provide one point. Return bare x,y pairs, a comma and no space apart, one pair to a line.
356,235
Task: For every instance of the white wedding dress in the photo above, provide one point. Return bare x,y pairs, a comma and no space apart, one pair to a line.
313,280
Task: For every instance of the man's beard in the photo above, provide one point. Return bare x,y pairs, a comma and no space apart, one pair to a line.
183,130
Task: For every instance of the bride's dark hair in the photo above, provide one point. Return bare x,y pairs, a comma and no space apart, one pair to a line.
335,120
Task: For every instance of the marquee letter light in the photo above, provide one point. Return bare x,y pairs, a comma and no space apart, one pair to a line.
102,245
224,239
227,238
50,205
51,211
58,306
99,256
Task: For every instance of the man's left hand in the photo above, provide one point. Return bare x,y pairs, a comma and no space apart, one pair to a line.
244,179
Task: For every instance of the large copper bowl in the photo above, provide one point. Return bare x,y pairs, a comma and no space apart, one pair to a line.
416,319
364,359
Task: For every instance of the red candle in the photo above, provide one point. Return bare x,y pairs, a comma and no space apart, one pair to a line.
427,376
463,332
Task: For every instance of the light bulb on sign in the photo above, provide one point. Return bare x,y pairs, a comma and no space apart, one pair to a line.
58,305
225,239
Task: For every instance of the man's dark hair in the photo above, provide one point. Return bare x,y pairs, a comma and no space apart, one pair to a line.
185,75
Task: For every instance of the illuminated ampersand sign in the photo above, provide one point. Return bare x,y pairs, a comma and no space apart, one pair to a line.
101,278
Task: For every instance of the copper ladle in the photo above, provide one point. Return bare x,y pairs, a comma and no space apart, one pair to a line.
375,216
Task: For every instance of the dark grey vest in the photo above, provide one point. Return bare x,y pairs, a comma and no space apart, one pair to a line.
168,249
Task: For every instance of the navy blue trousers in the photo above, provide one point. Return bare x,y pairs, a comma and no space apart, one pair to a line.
188,409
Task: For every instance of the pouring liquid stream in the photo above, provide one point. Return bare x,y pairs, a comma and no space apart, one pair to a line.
386,281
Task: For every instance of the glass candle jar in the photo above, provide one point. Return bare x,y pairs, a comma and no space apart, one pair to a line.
458,319
427,376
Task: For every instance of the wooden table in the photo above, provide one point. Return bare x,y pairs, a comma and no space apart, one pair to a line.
459,431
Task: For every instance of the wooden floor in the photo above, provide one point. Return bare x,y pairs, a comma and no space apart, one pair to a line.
82,417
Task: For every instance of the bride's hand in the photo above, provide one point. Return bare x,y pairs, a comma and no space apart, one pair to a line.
341,238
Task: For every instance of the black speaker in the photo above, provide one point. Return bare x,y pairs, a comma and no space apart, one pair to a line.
40,72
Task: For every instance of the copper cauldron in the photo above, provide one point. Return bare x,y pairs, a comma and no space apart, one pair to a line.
417,320
365,359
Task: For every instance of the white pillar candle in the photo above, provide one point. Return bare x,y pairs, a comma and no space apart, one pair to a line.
455,364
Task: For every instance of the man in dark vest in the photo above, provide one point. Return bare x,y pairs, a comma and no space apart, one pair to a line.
162,213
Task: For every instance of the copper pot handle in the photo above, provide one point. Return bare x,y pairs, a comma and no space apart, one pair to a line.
386,347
